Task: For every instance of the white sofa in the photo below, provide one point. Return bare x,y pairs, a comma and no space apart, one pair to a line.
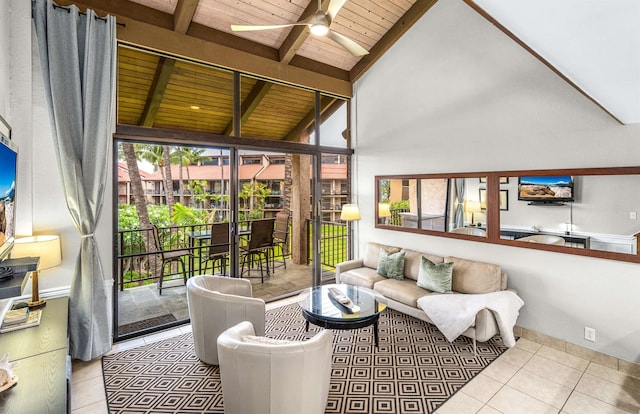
468,277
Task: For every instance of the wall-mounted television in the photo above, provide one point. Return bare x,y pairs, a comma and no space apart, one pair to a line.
8,173
546,189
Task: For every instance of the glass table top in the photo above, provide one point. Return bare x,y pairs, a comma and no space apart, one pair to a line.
318,302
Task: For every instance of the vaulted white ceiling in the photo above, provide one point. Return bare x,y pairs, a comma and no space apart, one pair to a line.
595,44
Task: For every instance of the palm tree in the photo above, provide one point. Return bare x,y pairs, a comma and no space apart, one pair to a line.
187,156
129,155
158,156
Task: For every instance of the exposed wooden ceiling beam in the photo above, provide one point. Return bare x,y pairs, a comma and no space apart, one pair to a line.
299,34
156,92
309,118
183,15
419,8
155,38
287,51
250,103
154,31
182,19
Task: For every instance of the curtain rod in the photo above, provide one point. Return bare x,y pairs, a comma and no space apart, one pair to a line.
68,9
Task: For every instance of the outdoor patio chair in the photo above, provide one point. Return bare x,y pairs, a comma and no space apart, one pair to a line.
258,246
170,256
263,375
280,240
218,248
217,303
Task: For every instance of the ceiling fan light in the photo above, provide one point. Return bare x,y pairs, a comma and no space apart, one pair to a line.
319,29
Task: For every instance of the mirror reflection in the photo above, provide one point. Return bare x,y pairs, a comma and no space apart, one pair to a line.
593,212
585,212
436,204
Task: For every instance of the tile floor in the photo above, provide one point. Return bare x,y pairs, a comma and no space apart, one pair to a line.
529,378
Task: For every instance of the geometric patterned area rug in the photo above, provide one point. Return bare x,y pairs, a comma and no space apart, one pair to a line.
414,369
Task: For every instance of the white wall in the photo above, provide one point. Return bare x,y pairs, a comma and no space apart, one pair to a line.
41,207
455,94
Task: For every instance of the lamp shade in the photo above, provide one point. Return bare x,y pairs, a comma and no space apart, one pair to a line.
45,247
350,212
472,206
384,210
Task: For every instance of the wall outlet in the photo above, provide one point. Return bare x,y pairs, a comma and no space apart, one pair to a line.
589,334
632,215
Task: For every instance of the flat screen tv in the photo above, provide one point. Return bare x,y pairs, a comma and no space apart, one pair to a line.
8,172
546,189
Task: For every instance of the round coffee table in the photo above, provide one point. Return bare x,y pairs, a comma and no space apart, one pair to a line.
319,308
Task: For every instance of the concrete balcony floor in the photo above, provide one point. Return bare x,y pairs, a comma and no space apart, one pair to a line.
143,307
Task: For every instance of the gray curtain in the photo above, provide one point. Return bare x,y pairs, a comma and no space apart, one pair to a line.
460,198
78,56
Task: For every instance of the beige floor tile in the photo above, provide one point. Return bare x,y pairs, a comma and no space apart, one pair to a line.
85,393
563,358
460,403
540,388
99,407
488,410
528,345
516,356
512,401
613,375
580,403
553,371
614,394
482,387
500,371
84,370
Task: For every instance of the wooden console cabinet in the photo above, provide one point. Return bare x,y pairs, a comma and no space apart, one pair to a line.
43,368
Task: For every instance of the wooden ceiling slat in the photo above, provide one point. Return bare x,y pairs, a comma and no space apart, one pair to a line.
182,45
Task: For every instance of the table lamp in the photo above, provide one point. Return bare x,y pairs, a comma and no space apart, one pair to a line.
472,207
45,247
384,211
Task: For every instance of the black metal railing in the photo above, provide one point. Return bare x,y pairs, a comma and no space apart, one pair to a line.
396,218
139,261
333,244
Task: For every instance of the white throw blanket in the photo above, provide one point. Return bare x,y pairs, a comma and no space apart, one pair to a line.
455,313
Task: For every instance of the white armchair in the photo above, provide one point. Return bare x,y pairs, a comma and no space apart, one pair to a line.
262,375
217,303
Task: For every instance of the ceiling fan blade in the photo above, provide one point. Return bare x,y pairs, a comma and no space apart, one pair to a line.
248,28
334,7
347,43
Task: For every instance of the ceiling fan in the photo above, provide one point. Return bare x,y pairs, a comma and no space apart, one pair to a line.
318,24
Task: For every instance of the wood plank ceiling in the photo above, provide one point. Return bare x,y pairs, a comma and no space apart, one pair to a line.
182,76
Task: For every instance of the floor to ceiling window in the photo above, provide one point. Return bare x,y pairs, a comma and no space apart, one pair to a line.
225,151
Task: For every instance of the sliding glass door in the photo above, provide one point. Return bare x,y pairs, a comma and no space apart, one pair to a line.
178,220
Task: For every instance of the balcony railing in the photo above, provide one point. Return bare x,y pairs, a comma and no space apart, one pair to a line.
139,262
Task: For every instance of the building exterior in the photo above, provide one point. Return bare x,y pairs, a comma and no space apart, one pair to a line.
265,169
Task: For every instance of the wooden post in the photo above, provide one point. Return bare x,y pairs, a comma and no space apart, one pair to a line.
300,207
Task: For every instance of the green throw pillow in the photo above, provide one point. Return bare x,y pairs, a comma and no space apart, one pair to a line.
435,277
391,265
